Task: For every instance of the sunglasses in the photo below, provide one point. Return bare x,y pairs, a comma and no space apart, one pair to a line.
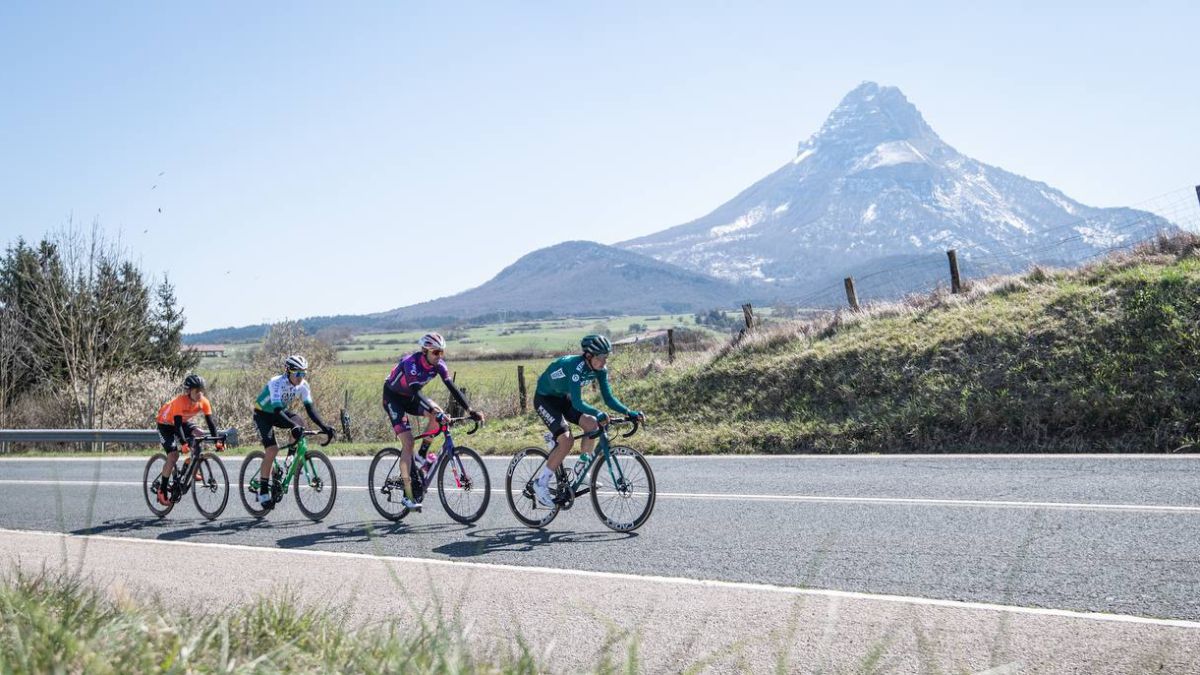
437,352
299,373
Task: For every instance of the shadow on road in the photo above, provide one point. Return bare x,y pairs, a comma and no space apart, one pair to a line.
360,533
227,527
520,540
123,525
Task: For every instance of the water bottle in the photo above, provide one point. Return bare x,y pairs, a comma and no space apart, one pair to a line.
430,462
548,439
581,464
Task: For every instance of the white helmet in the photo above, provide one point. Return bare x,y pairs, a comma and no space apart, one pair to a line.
295,362
432,341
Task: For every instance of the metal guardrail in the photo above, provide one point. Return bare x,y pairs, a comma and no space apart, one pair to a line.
147,436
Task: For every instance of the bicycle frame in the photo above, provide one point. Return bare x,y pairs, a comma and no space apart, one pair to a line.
448,448
602,448
290,464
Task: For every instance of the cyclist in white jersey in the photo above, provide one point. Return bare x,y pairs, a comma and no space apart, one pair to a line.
271,412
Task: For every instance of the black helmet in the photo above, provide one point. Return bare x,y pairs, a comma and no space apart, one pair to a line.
193,381
596,345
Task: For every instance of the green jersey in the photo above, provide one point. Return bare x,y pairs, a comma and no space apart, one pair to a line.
566,377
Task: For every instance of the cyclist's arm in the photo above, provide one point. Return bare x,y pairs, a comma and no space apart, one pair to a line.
312,415
179,430
455,392
212,425
579,404
606,392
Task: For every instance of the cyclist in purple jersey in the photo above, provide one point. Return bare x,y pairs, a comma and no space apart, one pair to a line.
402,397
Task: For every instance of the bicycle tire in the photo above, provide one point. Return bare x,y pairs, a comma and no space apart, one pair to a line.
376,488
465,458
148,480
244,488
521,497
308,484
617,452
215,480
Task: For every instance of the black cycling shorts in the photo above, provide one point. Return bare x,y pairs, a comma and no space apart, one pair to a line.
555,412
267,423
399,406
170,441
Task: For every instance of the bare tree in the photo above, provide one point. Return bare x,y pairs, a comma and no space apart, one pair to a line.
89,309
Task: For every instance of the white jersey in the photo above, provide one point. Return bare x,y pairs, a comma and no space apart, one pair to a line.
279,394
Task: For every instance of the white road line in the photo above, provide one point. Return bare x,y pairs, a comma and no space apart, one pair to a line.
679,581
820,499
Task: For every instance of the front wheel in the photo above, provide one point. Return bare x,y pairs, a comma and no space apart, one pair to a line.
151,479
623,490
466,488
211,489
518,487
316,485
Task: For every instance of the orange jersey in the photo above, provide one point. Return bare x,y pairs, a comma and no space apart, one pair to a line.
183,406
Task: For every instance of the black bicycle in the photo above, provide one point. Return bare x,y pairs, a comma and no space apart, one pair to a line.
203,471
316,483
462,479
618,478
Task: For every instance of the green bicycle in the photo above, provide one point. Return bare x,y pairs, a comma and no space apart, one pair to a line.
618,478
315,481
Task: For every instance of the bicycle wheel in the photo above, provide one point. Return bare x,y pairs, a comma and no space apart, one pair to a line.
623,490
248,481
466,488
518,487
151,478
385,486
316,485
211,488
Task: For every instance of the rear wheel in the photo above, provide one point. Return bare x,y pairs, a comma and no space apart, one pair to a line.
385,485
623,489
151,479
518,487
464,485
211,489
316,485
249,478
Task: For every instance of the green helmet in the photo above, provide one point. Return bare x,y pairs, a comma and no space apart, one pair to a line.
596,345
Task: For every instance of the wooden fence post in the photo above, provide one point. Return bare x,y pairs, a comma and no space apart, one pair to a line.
748,315
955,281
670,345
346,417
851,294
521,386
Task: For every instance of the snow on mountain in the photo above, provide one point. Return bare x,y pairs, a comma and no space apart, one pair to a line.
876,181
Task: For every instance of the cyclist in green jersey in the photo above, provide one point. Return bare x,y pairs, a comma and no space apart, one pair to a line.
559,400
271,412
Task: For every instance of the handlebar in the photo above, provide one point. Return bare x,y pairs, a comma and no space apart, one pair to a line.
636,422
449,422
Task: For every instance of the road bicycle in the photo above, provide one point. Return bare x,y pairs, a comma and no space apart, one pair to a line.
315,483
203,471
618,478
462,479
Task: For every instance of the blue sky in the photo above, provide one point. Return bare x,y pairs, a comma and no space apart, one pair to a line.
320,159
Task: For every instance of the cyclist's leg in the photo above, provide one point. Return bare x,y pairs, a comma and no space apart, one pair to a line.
556,413
589,425
396,407
170,445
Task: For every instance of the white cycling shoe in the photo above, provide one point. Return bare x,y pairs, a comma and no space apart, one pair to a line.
541,490
410,504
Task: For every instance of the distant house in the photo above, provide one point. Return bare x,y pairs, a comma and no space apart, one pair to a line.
216,351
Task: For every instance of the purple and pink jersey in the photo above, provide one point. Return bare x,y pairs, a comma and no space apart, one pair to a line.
414,372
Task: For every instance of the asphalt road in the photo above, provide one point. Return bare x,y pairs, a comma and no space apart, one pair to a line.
1111,534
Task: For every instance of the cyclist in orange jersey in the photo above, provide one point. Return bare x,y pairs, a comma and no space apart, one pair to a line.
175,427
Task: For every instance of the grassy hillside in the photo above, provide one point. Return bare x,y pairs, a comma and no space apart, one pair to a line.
1103,358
